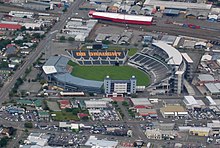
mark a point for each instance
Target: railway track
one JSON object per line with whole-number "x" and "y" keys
{"x": 172, "y": 30}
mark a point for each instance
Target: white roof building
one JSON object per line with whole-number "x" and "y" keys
{"x": 190, "y": 102}
{"x": 177, "y": 5}
{"x": 40, "y": 139}
{"x": 95, "y": 143}
{"x": 211, "y": 101}
{"x": 141, "y": 102}
{"x": 95, "y": 104}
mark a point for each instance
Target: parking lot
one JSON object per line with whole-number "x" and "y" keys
{"x": 67, "y": 140}
{"x": 101, "y": 115}
{"x": 28, "y": 116}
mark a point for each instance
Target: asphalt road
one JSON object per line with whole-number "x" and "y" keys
{"x": 4, "y": 92}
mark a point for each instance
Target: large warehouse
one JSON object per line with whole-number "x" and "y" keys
{"x": 122, "y": 18}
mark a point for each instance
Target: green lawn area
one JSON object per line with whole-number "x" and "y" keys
{"x": 132, "y": 51}
{"x": 115, "y": 72}
{"x": 63, "y": 115}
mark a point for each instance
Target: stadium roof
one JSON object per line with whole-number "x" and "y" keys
{"x": 171, "y": 52}
{"x": 187, "y": 58}
{"x": 123, "y": 16}
{"x": 68, "y": 78}
{"x": 55, "y": 64}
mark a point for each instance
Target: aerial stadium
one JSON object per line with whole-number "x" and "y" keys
{"x": 159, "y": 67}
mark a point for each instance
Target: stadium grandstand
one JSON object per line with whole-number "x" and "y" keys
{"x": 98, "y": 57}
{"x": 57, "y": 73}
{"x": 164, "y": 64}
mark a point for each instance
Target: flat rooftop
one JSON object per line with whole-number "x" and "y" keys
{"x": 173, "y": 108}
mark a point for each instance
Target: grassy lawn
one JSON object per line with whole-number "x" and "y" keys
{"x": 132, "y": 51}
{"x": 63, "y": 115}
{"x": 115, "y": 72}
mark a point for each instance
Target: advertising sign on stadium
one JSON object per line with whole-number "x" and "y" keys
{"x": 100, "y": 54}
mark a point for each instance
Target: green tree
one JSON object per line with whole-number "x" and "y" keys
{"x": 125, "y": 103}
{"x": 75, "y": 111}
{"x": 71, "y": 39}
{"x": 3, "y": 142}
{"x": 85, "y": 118}
{"x": 106, "y": 42}
{"x": 28, "y": 125}
{"x": 4, "y": 64}
{"x": 62, "y": 38}
{"x": 36, "y": 35}
{"x": 23, "y": 28}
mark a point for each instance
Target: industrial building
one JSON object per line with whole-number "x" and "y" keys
{"x": 213, "y": 88}
{"x": 94, "y": 142}
{"x": 144, "y": 112}
{"x": 141, "y": 103}
{"x": 211, "y": 102}
{"x": 96, "y": 104}
{"x": 4, "y": 26}
{"x": 160, "y": 134}
{"x": 171, "y": 111}
{"x": 122, "y": 18}
{"x": 200, "y": 131}
{"x": 120, "y": 86}
{"x": 77, "y": 28}
{"x": 159, "y": 4}
{"x": 191, "y": 103}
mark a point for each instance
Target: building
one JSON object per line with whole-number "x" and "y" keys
{"x": 44, "y": 115}
{"x": 161, "y": 5}
{"x": 144, "y": 112}
{"x": 120, "y": 86}
{"x": 21, "y": 14}
{"x": 96, "y": 104}
{"x": 205, "y": 78}
{"x": 122, "y": 18}
{"x": 38, "y": 139}
{"x": 213, "y": 88}
{"x": 171, "y": 12}
{"x": 64, "y": 104}
{"x": 11, "y": 49}
{"x": 189, "y": 66}
{"x": 200, "y": 131}
{"x": 71, "y": 126}
{"x": 215, "y": 126}
{"x": 94, "y": 142}
{"x": 159, "y": 134}
{"x": 171, "y": 111}
{"x": 4, "y": 26}
{"x": 211, "y": 102}
{"x": 141, "y": 103}
{"x": 191, "y": 103}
